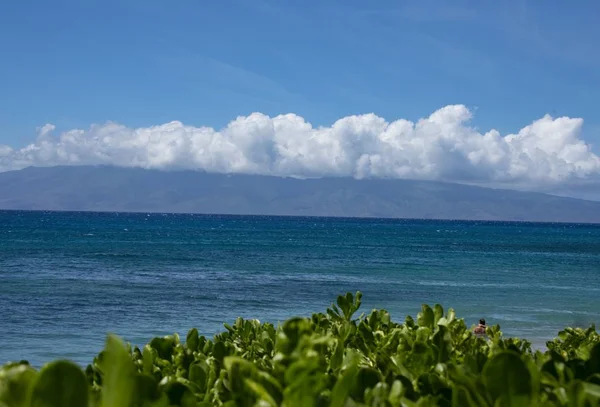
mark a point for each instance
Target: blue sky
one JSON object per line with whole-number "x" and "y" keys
{"x": 141, "y": 63}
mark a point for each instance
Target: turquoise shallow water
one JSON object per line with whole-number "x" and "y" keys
{"x": 66, "y": 279}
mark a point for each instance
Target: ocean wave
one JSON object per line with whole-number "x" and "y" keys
{"x": 524, "y": 286}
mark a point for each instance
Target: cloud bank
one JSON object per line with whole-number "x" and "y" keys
{"x": 443, "y": 146}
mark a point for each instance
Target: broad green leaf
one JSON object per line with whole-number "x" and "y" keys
{"x": 425, "y": 317}
{"x": 60, "y": 384}
{"x": 192, "y": 340}
{"x": 443, "y": 342}
{"x": 595, "y": 378}
{"x": 592, "y": 391}
{"x": 396, "y": 392}
{"x": 344, "y": 386}
{"x": 438, "y": 312}
{"x": 471, "y": 384}
{"x": 178, "y": 393}
{"x": 357, "y": 301}
{"x": 344, "y": 303}
{"x": 461, "y": 397}
{"x": 261, "y": 393}
{"x": 219, "y": 351}
{"x": 146, "y": 391}
{"x": 199, "y": 375}
{"x": 443, "y": 321}
{"x": 577, "y": 395}
{"x": 335, "y": 362}
{"x": 293, "y": 330}
{"x": 148, "y": 356}
{"x": 119, "y": 374}
{"x": 163, "y": 346}
{"x": 270, "y": 384}
{"x": 594, "y": 360}
{"x": 366, "y": 378}
{"x": 507, "y": 379}
{"x": 238, "y": 371}
{"x": 15, "y": 384}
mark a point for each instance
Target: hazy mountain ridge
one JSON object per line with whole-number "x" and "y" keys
{"x": 101, "y": 188}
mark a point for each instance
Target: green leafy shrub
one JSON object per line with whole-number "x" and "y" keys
{"x": 330, "y": 359}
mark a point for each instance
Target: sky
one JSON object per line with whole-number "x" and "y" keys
{"x": 491, "y": 93}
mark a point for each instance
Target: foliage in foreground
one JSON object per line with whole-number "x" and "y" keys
{"x": 330, "y": 359}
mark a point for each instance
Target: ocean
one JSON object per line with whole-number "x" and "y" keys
{"x": 69, "y": 278}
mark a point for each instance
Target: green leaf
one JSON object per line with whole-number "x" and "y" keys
{"x": 425, "y": 317}
{"x": 396, "y": 392}
{"x": 199, "y": 375}
{"x": 461, "y": 397}
{"x": 335, "y": 363}
{"x": 349, "y": 304}
{"x": 366, "y": 378}
{"x": 119, "y": 380}
{"x": 15, "y": 384}
{"x": 146, "y": 391}
{"x": 595, "y": 378}
{"x": 344, "y": 385}
{"x": 192, "y": 340}
{"x": 293, "y": 330}
{"x": 260, "y": 392}
{"x": 438, "y": 312}
{"x": 60, "y": 384}
{"x": 219, "y": 351}
{"x": 344, "y": 302}
{"x": 148, "y": 357}
{"x": 451, "y": 316}
{"x": 178, "y": 393}
{"x": 508, "y": 379}
{"x": 443, "y": 342}
{"x": 594, "y": 360}
{"x": 238, "y": 370}
{"x": 592, "y": 390}
{"x": 357, "y": 301}
{"x": 163, "y": 346}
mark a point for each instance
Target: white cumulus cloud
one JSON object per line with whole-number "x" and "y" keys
{"x": 548, "y": 152}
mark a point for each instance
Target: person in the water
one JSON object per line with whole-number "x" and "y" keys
{"x": 480, "y": 329}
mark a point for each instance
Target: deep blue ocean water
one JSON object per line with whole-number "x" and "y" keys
{"x": 67, "y": 279}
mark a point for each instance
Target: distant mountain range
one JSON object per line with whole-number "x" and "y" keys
{"x": 101, "y": 188}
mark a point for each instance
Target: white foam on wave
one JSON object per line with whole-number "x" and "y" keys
{"x": 445, "y": 283}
